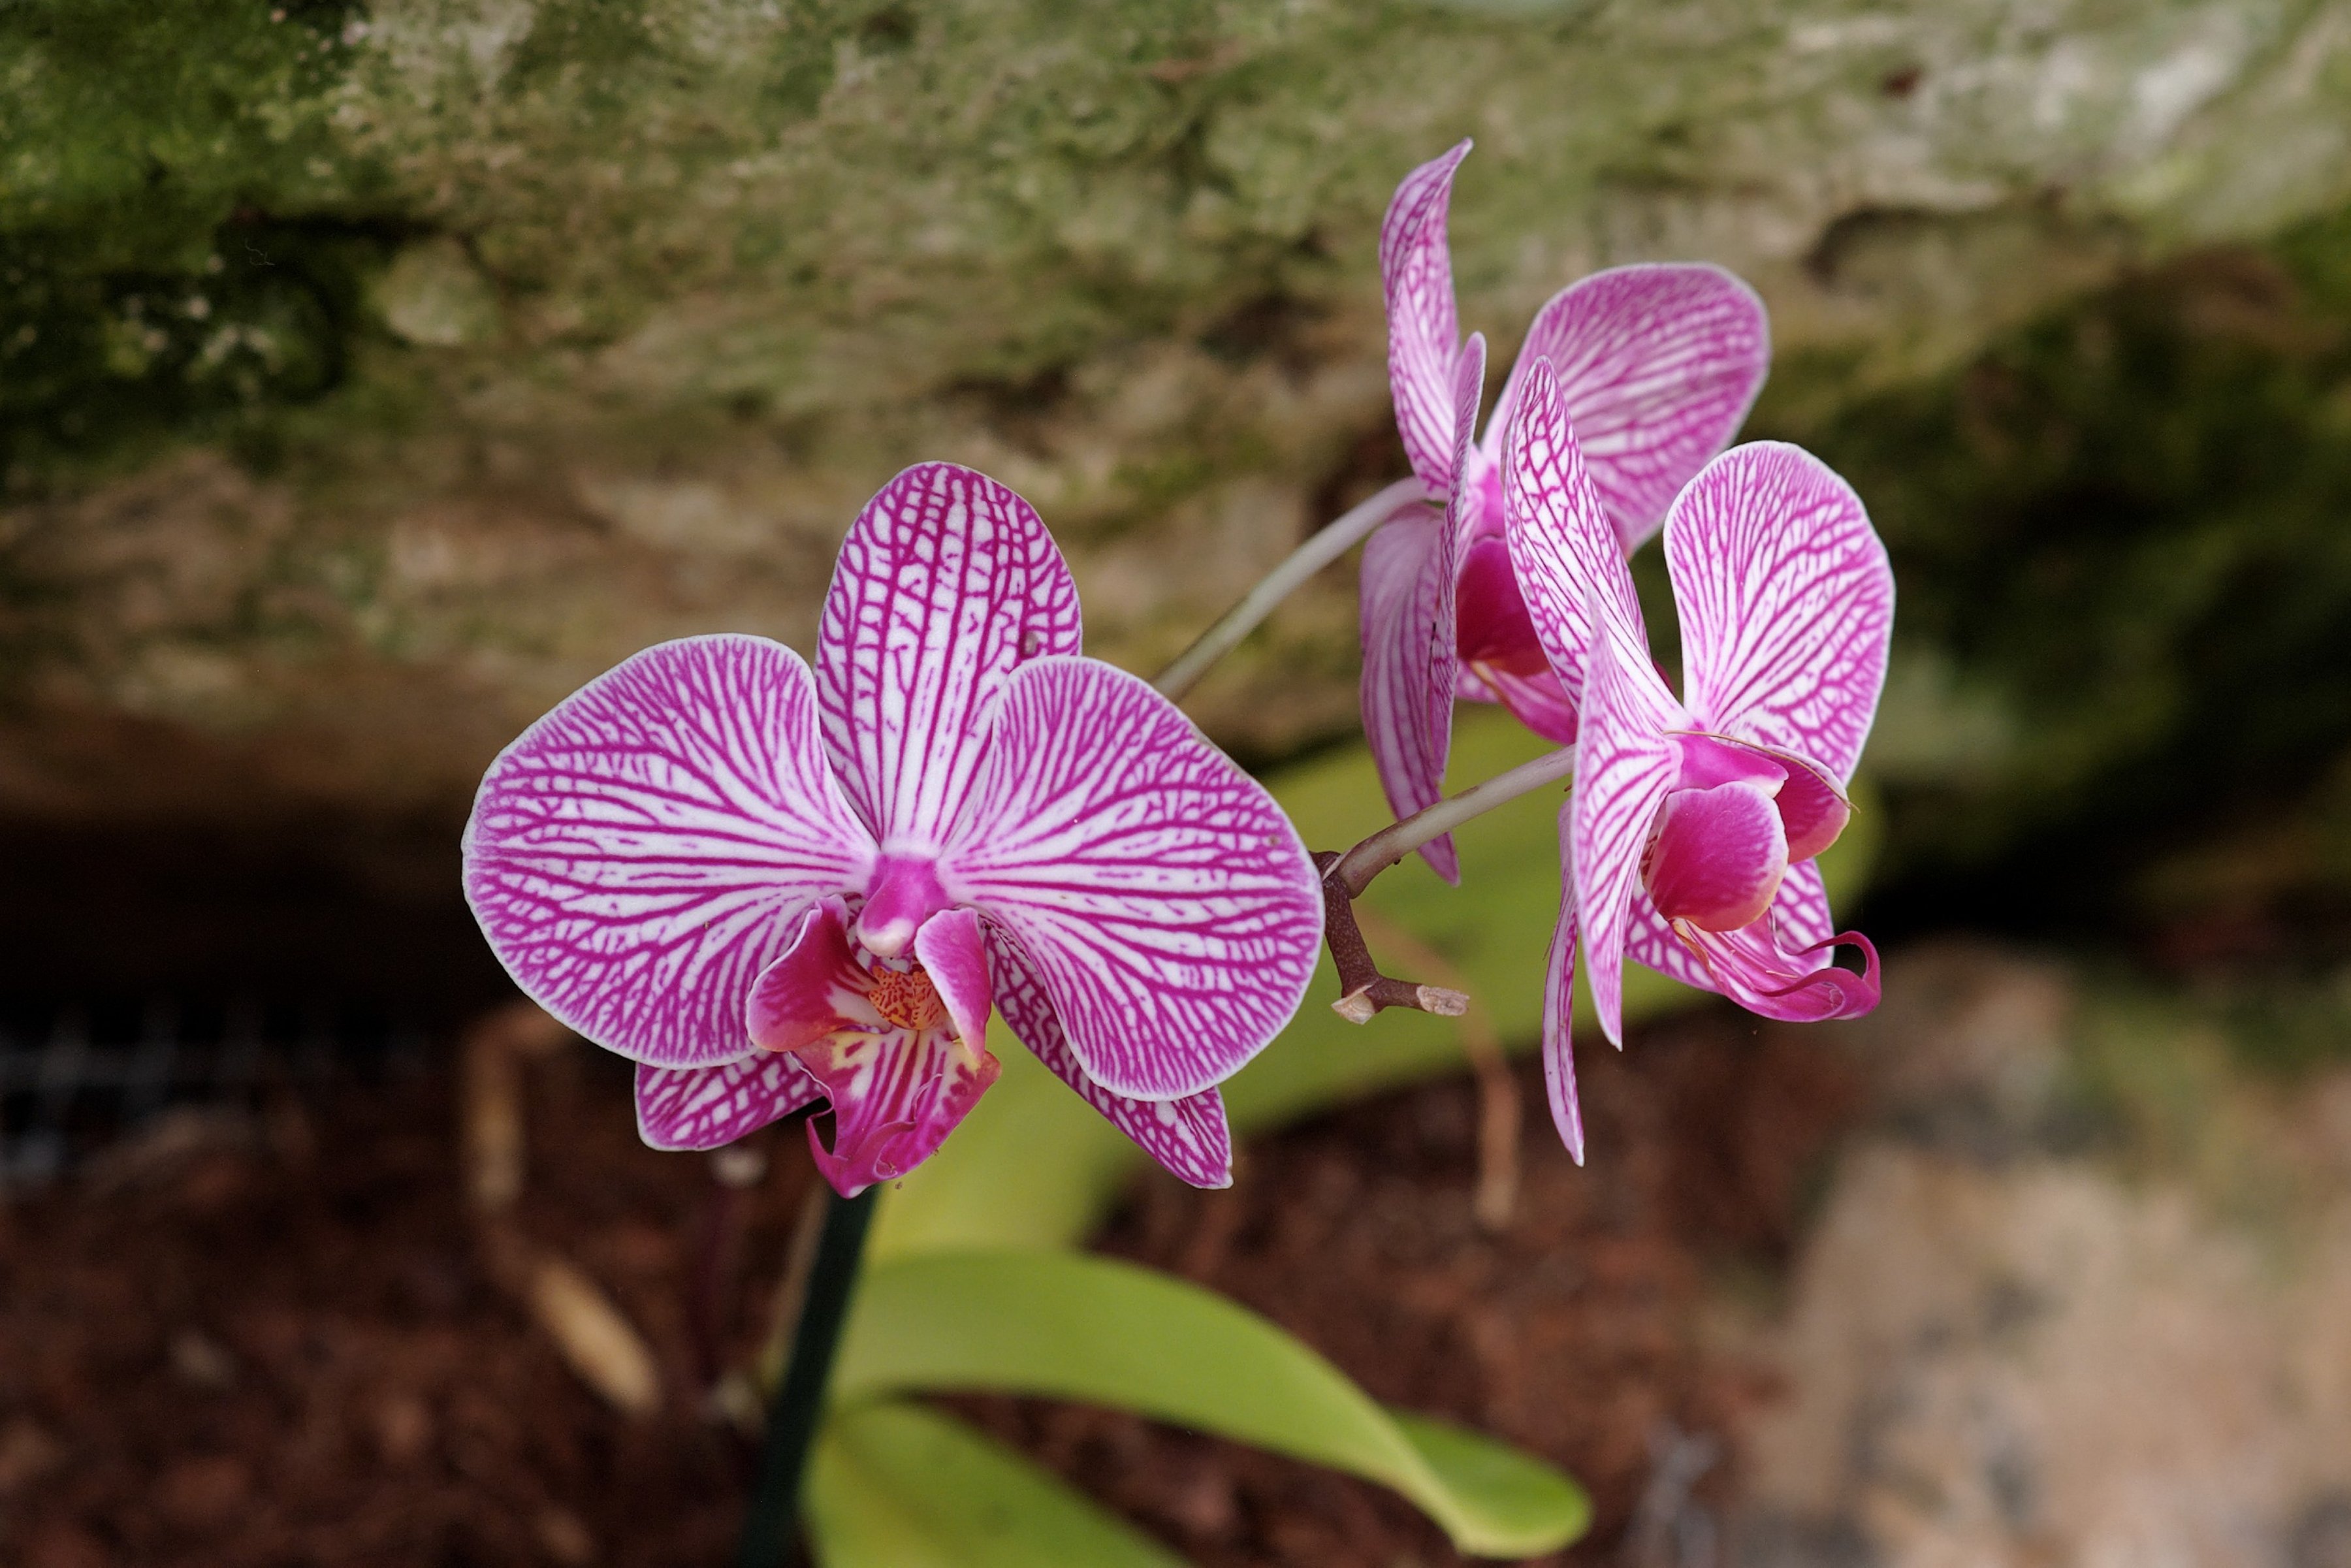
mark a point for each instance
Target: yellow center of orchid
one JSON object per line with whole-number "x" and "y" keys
{"x": 906, "y": 997}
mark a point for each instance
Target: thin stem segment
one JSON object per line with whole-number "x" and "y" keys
{"x": 1328, "y": 545}
{"x": 769, "y": 1528}
{"x": 1363, "y": 991}
{"x": 1356, "y": 868}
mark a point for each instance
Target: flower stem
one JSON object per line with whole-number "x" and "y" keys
{"x": 1333, "y": 540}
{"x": 1356, "y": 868}
{"x": 769, "y": 1528}
{"x": 1363, "y": 991}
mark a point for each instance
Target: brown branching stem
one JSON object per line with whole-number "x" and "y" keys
{"x": 1363, "y": 991}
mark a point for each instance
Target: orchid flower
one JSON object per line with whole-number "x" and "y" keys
{"x": 1689, "y": 841}
{"x": 769, "y": 886}
{"x": 1658, "y": 365}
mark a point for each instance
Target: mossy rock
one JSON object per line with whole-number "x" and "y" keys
{"x": 369, "y": 376}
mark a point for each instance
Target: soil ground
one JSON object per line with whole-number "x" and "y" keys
{"x": 278, "y": 1339}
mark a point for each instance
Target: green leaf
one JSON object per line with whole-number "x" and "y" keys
{"x": 893, "y": 1485}
{"x": 1033, "y": 1167}
{"x": 1065, "y": 1325}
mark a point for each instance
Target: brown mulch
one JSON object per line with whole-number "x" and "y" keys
{"x": 275, "y": 1340}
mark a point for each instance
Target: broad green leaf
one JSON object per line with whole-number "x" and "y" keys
{"x": 893, "y": 1485}
{"x": 1066, "y": 1325}
{"x": 1032, "y": 1166}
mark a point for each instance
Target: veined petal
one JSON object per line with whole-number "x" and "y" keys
{"x": 951, "y": 952}
{"x": 897, "y": 1094}
{"x": 1777, "y": 968}
{"x": 640, "y": 855}
{"x": 946, "y": 581}
{"x": 1411, "y": 659}
{"x": 1490, "y": 618}
{"x": 1624, "y": 767}
{"x": 1407, "y": 579}
{"x": 1786, "y": 601}
{"x": 1559, "y": 1003}
{"x": 1659, "y": 364}
{"x": 1650, "y": 942}
{"x": 707, "y": 1107}
{"x": 1188, "y": 1136}
{"x": 1538, "y": 700}
{"x": 1423, "y": 332}
{"x": 1561, "y": 544}
{"x": 1717, "y": 856}
{"x": 1800, "y": 914}
{"x": 1156, "y": 889}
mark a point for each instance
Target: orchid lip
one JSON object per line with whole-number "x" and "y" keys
{"x": 1717, "y": 854}
{"x": 890, "y": 1042}
{"x": 1814, "y": 807}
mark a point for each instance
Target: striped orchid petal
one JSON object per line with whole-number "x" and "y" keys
{"x": 1411, "y": 659}
{"x": 1624, "y": 767}
{"x": 1561, "y": 542}
{"x": 1188, "y": 1136}
{"x": 1650, "y": 942}
{"x": 947, "y": 581}
{"x": 1559, "y": 1003}
{"x": 1157, "y": 890}
{"x": 1406, "y": 573}
{"x": 709, "y": 1107}
{"x": 1502, "y": 658}
{"x": 640, "y": 855}
{"x": 1424, "y": 331}
{"x": 1786, "y": 602}
{"x": 1659, "y": 364}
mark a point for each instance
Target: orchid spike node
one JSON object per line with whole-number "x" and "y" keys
{"x": 770, "y": 886}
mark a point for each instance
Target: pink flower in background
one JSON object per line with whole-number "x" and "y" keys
{"x": 1688, "y": 842}
{"x": 1658, "y": 365}
{"x": 768, "y": 886}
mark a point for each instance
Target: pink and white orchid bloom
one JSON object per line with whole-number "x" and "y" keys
{"x": 769, "y": 887}
{"x": 1658, "y": 365}
{"x": 1689, "y": 838}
